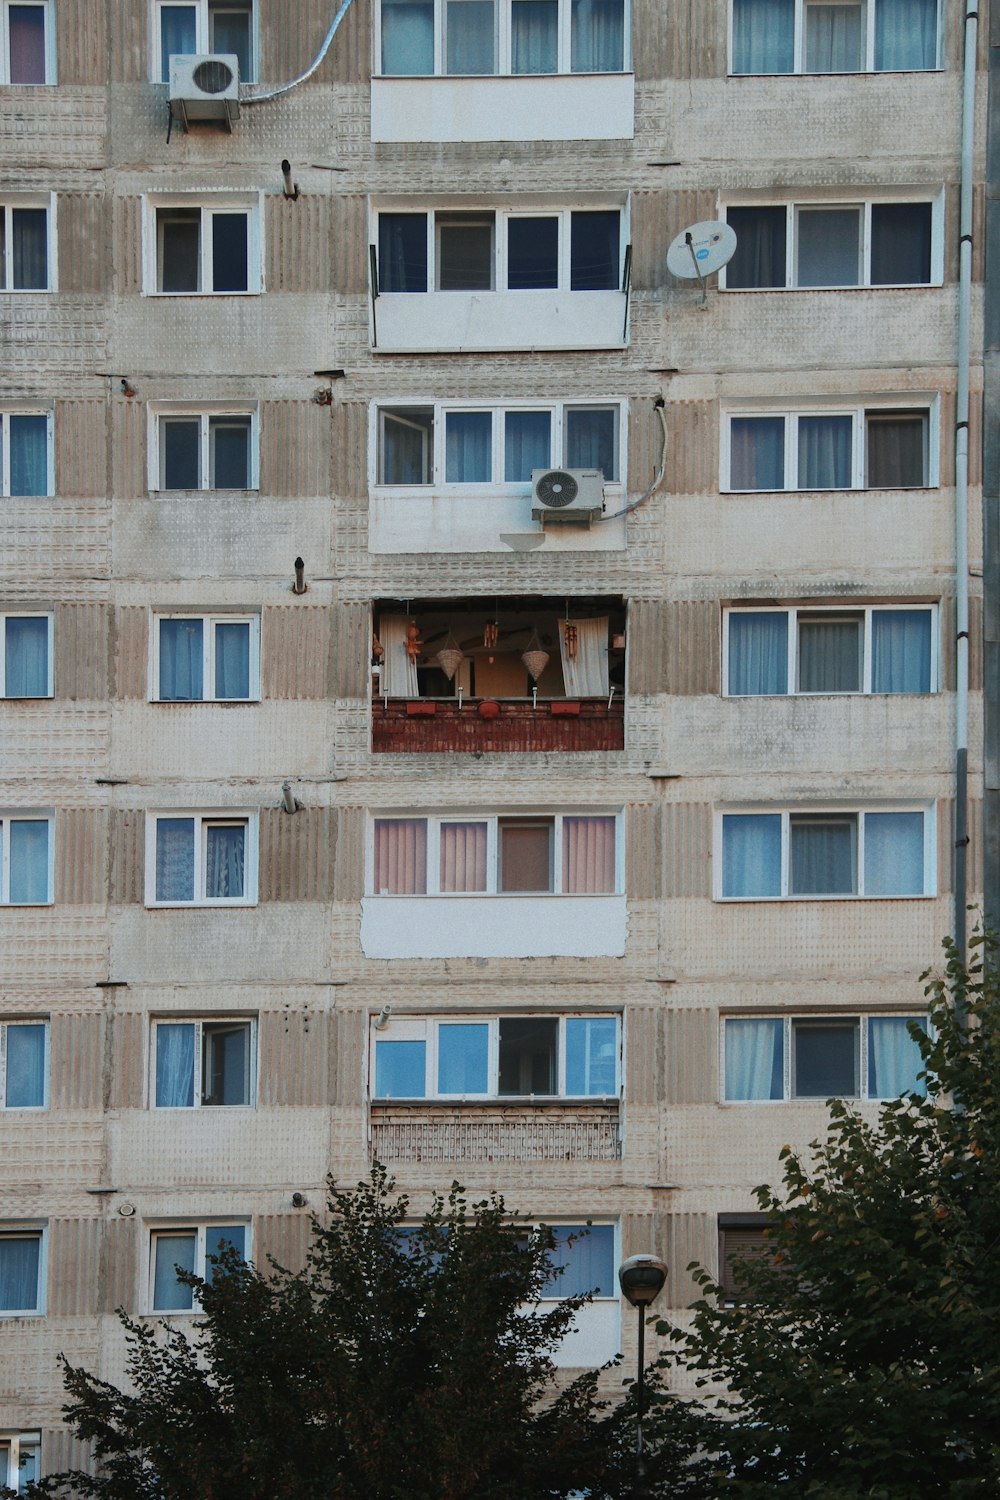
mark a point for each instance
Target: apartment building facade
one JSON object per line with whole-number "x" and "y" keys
{"x": 361, "y": 798}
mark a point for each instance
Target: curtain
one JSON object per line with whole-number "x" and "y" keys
{"x": 19, "y": 1265}
{"x": 175, "y": 859}
{"x": 901, "y": 244}
{"x": 763, "y": 36}
{"x": 174, "y": 1065}
{"x": 896, "y": 456}
{"x": 219, "y": 1237}
{"x": 751, "y": 854}
{"x": 401, "y": 857}
{"x": 180, "y": 459}
{"x": 402, "y": 253}
{"x": 229, "y": 440}
{"x": 758, "y": 654}
{"x": 178, "y": 33}
{"x": 399, "y": 671}
{"x": 759, "y": 259}
{"x": 471, "y": 36}
{"x": 833, "y": 39}
{"x": 587, "y": 1264}
{"x": 755, "y": 1059}
{"x": 231, "y": 33}
{"x": 534, "y": 36}
{"x": 27, "y": 44}
{"x": 400, "y": 1069}
{"x": 29, "y": 861}
{"x": 901, "y": 651}
{"x": 592, "y": 439}
{"x": 406, "y": 447}
{"x": 830, "y": 655}
{"x": 585, "y": 675}
{"x": 829, "y": 247}
{"x": 225, "y": 871}
{"x": 894, "y": 854}
{"x": 757, "y": 453}
{"x": 527, "y": 444}
{"x": 588, "y": 856}
{"x": 894, "y": 1058}
{"x": 595, "y": 241}
{"x": 597, "y": 36}
{"x": 824, "y": 855}
{"x": 232, "y": 661}
{"x": 463, "y": 857}
{"x": 26, "y": 656}
{"x": 463, "y": 1059}
{"x": 171, "y": 1250}
{"x": 906, "y": 34}
{"x": 591, "y": 1055}
{"x": 825, "y": 446}
{"x": 29, "y": 455}
{"x": 408, "y": 37}
{"x": 25, "y": 1067}
{"x": 226, "y": 1064}
{"x": 468, "y": 447}
{"x": 181, "y": 661}
{"x": 31, "y": 249}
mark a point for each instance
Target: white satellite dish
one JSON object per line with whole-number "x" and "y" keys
{"x": 702, "y": 249}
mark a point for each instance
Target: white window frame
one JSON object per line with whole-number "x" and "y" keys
{"x": 46, "y": 7}
{"x": 203, "y": 820}
{"x": 864, "y": 202}
{"x": 209, "y": 622}
{"x": 27, "y": 614}
{"x": 847, "y": 607}
{"x": 5, "y": 457}
{"x": 208, "y": 203}
{"x": 20, "y": 815}
{"x": 861, "y": 1018}
{"x": 557, "y": 411}
{"x": 198, "y": 1071}
{"x": 799, "y": 45}
{"x": 34, "y": 1231}
{"x": 502, "y": 43}
{"x": 492, "y": 821}
{"x": 5, "y": 1027}
{"x": 910, "y": 404}
{"x": 8, "y": 203}
{"x": 591, "y": 1221}
{"x": 425, "y": 1029}
{"x": 199, "y": 1228}
{"x": 203, "y": 34}
{"x": 202, "y": 412}
{"x": 835, "y": 809}
{"x": 11, "y": 1444}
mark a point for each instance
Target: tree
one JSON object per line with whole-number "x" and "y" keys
{"x": 398, "y": 1365}
{"x": 863, "y": 1358}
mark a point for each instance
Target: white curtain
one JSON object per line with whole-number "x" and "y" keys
{"x": 585, "y": 675}
{"x": 181, "y": 660}
{"x": 468, "y": 447}
{"x": 758, "y": 653}
{"x": 825, "y": 445}
{"x": 175, "y": 1065}
{"x": 172, "y": 1250}
{"x": 597, "y": 40}
{"x": 763, "y": 36}
{"x": 225, "y": 860}
{"x": 894, "y": 1058}
{"x": 833, "y": 39}
{"x": 534, "y": 36}
{"x": 175, "y": 859}
{"x": 829, "y": 247}
{"x": 588, "y": 856}
{"x": 399, "y": 671}
{"x": 471, "y": 36}
{"x": 755, "y": 1059}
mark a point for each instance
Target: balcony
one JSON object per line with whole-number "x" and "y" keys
{"x": 515, "y": 1132}
{"x": 420, "y": 725}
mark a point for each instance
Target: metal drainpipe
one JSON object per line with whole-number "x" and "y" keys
{"x": 286, "y": 88}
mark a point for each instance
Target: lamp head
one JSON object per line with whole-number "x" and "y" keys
{"x": 642, "y": 1278}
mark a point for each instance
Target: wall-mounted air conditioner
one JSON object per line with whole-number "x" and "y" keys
{"x": 571, "y": 495}
{"x": 205, "y": 87}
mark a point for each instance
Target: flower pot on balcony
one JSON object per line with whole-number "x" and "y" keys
{"x": 489, "y": 709}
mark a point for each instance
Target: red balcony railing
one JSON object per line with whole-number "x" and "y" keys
{"x": 425, "y": 725}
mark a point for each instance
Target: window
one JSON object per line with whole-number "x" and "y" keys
{"x": 22, "y": 1272}
{"x": 201, "y": 859}
{"x": 885, "y": 243}
{"x": 203, "y": 1063}
{"x": 568, "y": 854}
{"x": 24, "y": 1064}
{"x": 25, "y": 252}
{"x": 204, "y": 26}
{"x": 478, "y": 37}
{"x": 206, "y": 658}
{"x": 20, "y": 1459}
{"x": 206, "y": 450}
{"x": 190, "y": 1248}
{"x": 25, "y": 859}
{"x": 506, "y": 250}
{"x": 859, "y": 448}
{"x": 831, "y": 36}
{"x": 451, "y": 444}
{"x": 25, "y": 656}
{"x": 25, "y": 453}
{"x": 741, "y": 1238}
{"x": 503, "y": 1057}
{"x": 766, "y": 855}
{"x": 583, "y": 1260}
{"x": 27, "y": 50}
{"x": 805, "y": 1057}
{"x": 204, "y": 247}
{"x": 829, "y": 650}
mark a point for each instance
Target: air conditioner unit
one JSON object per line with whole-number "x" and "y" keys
{"x": 205, "y": 88}
{"x": 569, "y": 495}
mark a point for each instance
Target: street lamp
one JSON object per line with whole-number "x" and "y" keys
{"x": 641, "y": 1278}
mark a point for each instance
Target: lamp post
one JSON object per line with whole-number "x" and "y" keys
{"x": 641, "y": 1278}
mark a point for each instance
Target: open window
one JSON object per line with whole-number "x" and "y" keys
{"x": 20, "y": 1459}
{"x": 204, "y": 1063}
{"x": 189, "y": 1247}
{"x": 189, "y": 27}
{"x": 201, "y": 859}
{"x": 26, "y": 260}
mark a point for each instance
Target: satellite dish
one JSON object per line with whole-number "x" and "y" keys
{"x": 701, "y": 249}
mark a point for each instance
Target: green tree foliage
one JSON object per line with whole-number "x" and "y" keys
{"x": 393, "y": 1367}
{"x": 863, "y": 1358}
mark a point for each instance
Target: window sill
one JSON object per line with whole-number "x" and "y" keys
{"x": 207, "y": 296}
{"x": 205, "y": 702}
{"x": 832, "y": 896}
{"x": 516, "y": 1102}
{"x": 894, "y": 286}
{"x": 200, "y": 494}
{"x": 199, "y": 905}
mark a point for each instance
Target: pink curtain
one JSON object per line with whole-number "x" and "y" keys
{"x": 401, "y": 857}
{"x": 27, "y": 44}
{"x": 588, "y": 856}
{"x": 463, "y": 857}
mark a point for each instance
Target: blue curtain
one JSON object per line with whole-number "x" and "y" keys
{"x": 19, "y": 1265}
{"x": 751, "y": 854}
{"x": 217, "y": 1238}
{"x": 31, "y": 249}
{"x": 231, "y": 33}
{"x": 758, "y": 653}
{"x": 591, "y": 1055}
{"x": 591, "y": 439}
{"x": 175, "y": 859}
{"x": 29, "y": 861}
{"x": 830, "y": 655}
{"x": 597, "y": 36}
{"x": 757, "y": 453}
{"x": 825, "y": 445}
{"x": 471, "y": 36}
{"x": 232, "y": 661}
{"x": 26, "y": 656}
{"x": 181, "y": 660}
{"x": 175, "y": 1065}
{"x": 901, "y": 651}
{"x": 29, "y": 455}
{"x": 463, "y": 1059}
{"x": 468, "y": 447}
{"x": 755, "y": 1059}
{"x": 829, "y": 247}
{"x": 824, "y": 854}
{"x": 25, "y": 1067}
{"x": 408, "y": 37}
{"x": 894, "y": 854}
{"x": 588, "y": 1264}
{"x": 905, "y": 34}
{"x": 527, "y": 444}
{"x": 833, "y": 39}
{"x": 763, "y": 36}
{"x": 894, "y": 1058}
{"x": 534, "y": 36}
{"x": 226, "y": 854}
{"x": 171, "y": 1250}
{"x": 400, "y": 1069}
{"x": 178, "y": 34}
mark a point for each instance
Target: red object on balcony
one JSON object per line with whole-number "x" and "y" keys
{"x": 567, "y": 710}
{"x": 421, "y": 709}
{"x": 404, "y": 726}
{"x": 489, "y": 709}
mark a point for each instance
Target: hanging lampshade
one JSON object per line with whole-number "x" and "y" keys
{"x": 450, "y": 657}
{"x": 535, "y": 658}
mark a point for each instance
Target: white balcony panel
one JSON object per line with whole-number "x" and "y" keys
{"x": 415, "y": 322}
{"x": 493, "y": 926}
{"x": 432, "y": 522}
{"x": 547, "y": 107}
{"x": 594, "y": 1337}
